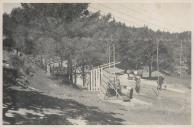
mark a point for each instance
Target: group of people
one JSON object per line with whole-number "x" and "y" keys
{"x": 137, "y": 78}
{"x": 117, "y": 88}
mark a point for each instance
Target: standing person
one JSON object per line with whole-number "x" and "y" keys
{"x": 160, "y": 82}
{"x": 138, "y": 84}
{"x": 128, "y": 72}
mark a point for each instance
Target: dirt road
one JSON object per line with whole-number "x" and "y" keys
{"x": 62, "y": 104}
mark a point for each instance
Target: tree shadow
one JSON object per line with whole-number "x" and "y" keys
{"x": 40, "y": 109}
{"x": 62, "y": 81}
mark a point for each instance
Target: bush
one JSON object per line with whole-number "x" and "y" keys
{"x": 16, "y": 62}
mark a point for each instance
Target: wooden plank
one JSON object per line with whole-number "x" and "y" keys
{"x": 90, "y": 80}
{"x": 106, "y": 65}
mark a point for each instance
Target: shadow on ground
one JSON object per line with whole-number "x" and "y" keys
{"x": 61, "y": 111}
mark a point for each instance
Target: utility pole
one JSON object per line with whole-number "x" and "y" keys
{"x": 152, "y": 62}
{"x": 181, "y": 48}
{"x": 157, "y": 42}
{"x": 107, "y": 52}
{"x": 110, "y": 50}
{"x": 114, "y": 54}
{"x": 109, "y": 56}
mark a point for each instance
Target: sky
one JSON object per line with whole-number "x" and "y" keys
{"x": 173, "y": 17}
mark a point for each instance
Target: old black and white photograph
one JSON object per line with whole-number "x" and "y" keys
{"x": 96, "y": 63}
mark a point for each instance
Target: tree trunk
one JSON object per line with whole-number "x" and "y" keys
{"x": 67, "y": 76}
{"x": 75, "y": 76}
{"x": 70, "y": 74}
{"x": 61, "y": 62}
{"x": 83, "y": 74}
{"x": 150, "y": 70}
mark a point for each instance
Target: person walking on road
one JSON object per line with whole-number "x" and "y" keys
{"x": 138, "y": 84}
{"x": 160, "y": 82}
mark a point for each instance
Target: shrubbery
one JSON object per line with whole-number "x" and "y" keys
{"x": 16, "y": 75}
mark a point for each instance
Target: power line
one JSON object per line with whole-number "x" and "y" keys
{"x": 134, "y": 17}
{"x": 181, "y": 48}
{"x": 157, "y": 26}
{"x": 153, "y": 24}
{"x": 166, "y": 40}
{"x": 115, "y": 16}
{"x": 106, "y": 7}
{"x": 138, "y": 11}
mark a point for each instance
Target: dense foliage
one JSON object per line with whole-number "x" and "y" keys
{"x": 73, "y": 33}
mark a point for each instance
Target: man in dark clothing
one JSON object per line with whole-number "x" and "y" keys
{"x": 138, "y": 82}
{"x": 160, "y": 81}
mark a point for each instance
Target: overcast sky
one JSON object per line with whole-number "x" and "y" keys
{"x": 174, "y": 17}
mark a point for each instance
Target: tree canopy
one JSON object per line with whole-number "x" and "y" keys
{"x": 71, "y": 32}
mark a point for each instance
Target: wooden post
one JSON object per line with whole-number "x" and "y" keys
{"x": 99, "y": 79}
{"x": 114, "y": 63}
{"x": 91, "y": 80}
{"x": 114, "y": 54}
{"x": 101, "y": 75}
{"x": 181, "y": 47}
{"x": 157, "y": 57}
{"x": 108, "y": 55}
{"x": 96, "y": 80}
{"x": 107, "y": 52}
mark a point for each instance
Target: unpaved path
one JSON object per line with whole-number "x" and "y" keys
{"x": 60, "y": 104}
